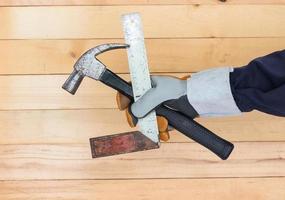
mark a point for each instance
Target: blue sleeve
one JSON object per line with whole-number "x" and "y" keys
{"x": 260, "y": 85}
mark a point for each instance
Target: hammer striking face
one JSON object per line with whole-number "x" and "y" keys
{"x": 89, "y": 65}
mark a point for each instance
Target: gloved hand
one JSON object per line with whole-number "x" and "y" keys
{"x": 206, "y": 94}
{"x": 169, "y": 89}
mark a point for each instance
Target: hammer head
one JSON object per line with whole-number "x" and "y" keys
{"x": 89, "y": 65}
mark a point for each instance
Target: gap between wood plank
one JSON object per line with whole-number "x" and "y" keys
{"x": 193, "y": 23}
{"x": 120, "y": 3}
{"x": 139, "y": 179}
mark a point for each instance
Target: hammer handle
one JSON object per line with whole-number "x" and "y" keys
{"x": 179, "y": 121}
{"x": 197, "y": 132}
{"x": 114, "y": 81}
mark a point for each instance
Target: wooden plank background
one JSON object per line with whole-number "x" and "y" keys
{"x": 44, "y": 150}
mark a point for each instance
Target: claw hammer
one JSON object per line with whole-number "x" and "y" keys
{"x": 88, "y": 65}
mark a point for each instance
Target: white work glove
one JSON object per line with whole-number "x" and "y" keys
{"x": 157, "y": 96}
{"x": 208, "y": 92}
{"x": 163, "y": 88}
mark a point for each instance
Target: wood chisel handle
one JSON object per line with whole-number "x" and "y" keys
{"x": 180, "y": 122}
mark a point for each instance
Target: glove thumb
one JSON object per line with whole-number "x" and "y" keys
{"x": 146, "y": 103}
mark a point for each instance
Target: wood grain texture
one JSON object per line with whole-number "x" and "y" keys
{"x": 166, "y": 189}
{"x": 77, "y": 126}
{"x": 130, "y": 2}
{"x": 164, "y": 55}
{"x": 44, "y": 131}
{"x": 104, "y": 21}
{"x": 175, "y": 160}
{"x": 45, "y": 92}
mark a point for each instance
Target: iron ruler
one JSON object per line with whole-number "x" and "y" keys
{"x": 139, "y": 71}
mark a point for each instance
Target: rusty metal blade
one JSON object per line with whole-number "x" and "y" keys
{"x": 120, "y": 144}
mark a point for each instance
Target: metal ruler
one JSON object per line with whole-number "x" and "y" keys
{"x": 139, "y": 71}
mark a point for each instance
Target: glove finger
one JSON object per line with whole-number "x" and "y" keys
{"x": 164, "y": 136}
{"x": 185, "y": 77}
{"x": 122, "y": 101}
{"x": 164, "y": 88}
{"x": 162, "y": 123}
{"x": 132, "y": 121}
{"x": 146, "y": 103}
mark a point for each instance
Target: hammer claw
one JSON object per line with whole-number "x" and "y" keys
{"x": 107, "y": 47}
{"x": 89, "y": 65}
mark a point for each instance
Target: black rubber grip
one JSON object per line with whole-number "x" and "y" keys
{"x": 197, "y": 132}
{"x": 180, "y": 122}
{"x": 114, "y": 81}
